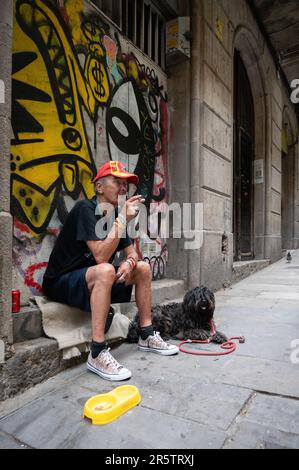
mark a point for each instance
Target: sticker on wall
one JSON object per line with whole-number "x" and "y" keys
{"x": 219, "y": 29}
{"x": 2, "y": 92}
{"x": 259, "y": 171}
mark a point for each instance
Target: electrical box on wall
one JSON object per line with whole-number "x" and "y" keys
{"x": 177, "y": 40}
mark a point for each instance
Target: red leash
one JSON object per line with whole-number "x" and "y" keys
{"x": 229, "y": 345}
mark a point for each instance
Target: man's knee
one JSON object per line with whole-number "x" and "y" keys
{"x": 144, "y": 270}
{"x": 104, "y": 273}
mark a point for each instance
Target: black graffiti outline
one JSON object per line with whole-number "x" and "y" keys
{"x": 145, "y": 167}
{"x": 17, "y": 208}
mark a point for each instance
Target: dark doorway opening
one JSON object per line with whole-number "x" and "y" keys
{"x": 287, "y": 191}
{"x": 243, "y": 163}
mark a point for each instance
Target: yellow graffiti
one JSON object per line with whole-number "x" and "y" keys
{"x": 50, "y": 150}
{"x": 219, "y": 29}
{"x": 95, "y": 71}
{"x": 130, "y": 68}
{"x": 74, "y": 9}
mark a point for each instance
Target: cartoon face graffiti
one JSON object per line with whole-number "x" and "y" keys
{"x": 130, "y": 135}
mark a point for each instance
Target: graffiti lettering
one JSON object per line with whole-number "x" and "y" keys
{"x": 295, "y": 93}
{"x": 31, "y": 273}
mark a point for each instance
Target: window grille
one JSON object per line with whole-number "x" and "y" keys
{"x": 141, "y": 22}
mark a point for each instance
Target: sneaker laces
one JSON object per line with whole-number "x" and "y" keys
{"x": 158, "y": 340}
{"x": 109, "y": 359}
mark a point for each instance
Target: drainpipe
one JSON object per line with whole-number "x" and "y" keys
{"x": 6, "y": 22}
{"x": 195, "y": 148}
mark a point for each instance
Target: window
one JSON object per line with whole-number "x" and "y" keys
{"x": 147, "y": 30}
{"x": 110, "y": 8}
{"x": 131, "y": 23}
{"x": 139, "y": 25}
{"x": 141, "y": 22}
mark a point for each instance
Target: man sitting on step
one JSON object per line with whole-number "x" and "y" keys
{"x": 80, "y": 272}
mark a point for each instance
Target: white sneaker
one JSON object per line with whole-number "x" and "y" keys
{"x": 157, "y": 345}
{"x": 107, "y": 367}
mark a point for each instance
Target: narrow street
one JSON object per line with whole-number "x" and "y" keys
{"x": 248, "y": 399}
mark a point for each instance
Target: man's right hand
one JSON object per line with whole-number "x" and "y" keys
{"x": 131, "y": 208}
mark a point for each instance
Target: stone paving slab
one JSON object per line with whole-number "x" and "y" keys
{"x": 261, "y": 288}
{"x": 284, "y": 283}
{"x": 9, "y": 442}
{"x": 55, "y": 383}
{"x": 241, "y": 298}
{"x": 275, "y": 412}
{"x": 56, "y": 421}
{"x": 207, "y": 403}
{"x": 267, "y": 341}
{"x": 271, "y": 347}
{"x": 269, "y": 422}
{"x": 280, "y": 295}
{"x": 257, "y": 436}
{"x": 278, "y": 313}
{"x": 262, "y": 375}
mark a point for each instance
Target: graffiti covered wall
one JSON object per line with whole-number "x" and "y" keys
{"x": 81, "y": 95}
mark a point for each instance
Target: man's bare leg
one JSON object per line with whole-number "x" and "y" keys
{"x": 142, "y": 279}
{"x": 99, "y": 280}
{"x": 100, "y": 361}
{"x": 149, "y": 341}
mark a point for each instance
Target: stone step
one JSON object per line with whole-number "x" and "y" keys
{"x": 165, "y": 290}
{"x": 27, "y": 324}
{"x": 244, "y": 269}
{"x": 33, "y": 362}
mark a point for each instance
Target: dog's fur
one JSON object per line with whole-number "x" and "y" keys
{"x": 189, "y": 320}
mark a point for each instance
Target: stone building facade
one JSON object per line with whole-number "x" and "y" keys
{"x": 214, "y": 127}
{"x": 206, "y": 122}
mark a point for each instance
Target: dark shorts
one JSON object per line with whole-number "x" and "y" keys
{"x": 71, "y": 289}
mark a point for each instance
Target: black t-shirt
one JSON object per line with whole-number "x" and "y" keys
{"x": 71, "y": 251}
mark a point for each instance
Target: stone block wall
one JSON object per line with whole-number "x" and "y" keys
{"x": 5, "y": 216}
{"x": 229, "y": 25}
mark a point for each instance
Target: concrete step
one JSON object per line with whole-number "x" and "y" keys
{"x": 33, "y": 362}
{"x": 165, "y": 290}
{"x": 244, "y": 269}
{"x": 27, "y": 324}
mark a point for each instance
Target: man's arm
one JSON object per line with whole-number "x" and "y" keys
{"x": 126, "y": 268}
{"x": 130, "y": 252}
{"x": 102, "y": 250}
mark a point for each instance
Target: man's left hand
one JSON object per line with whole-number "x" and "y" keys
{"x": 123, "y": 274}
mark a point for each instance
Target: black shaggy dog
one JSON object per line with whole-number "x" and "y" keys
{"x": 190, "y": 320}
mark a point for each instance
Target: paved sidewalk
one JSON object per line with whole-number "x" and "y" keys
{"x": 249, "y": 399}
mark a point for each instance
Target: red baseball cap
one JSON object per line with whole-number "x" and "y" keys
{"x": 118, "y": 170}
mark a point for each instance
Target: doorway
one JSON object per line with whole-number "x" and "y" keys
{"x": 243, "y": 212}
{"x": 287, "y": 190}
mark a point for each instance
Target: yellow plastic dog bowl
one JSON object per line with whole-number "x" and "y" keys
{"x": 105, "y": 408}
